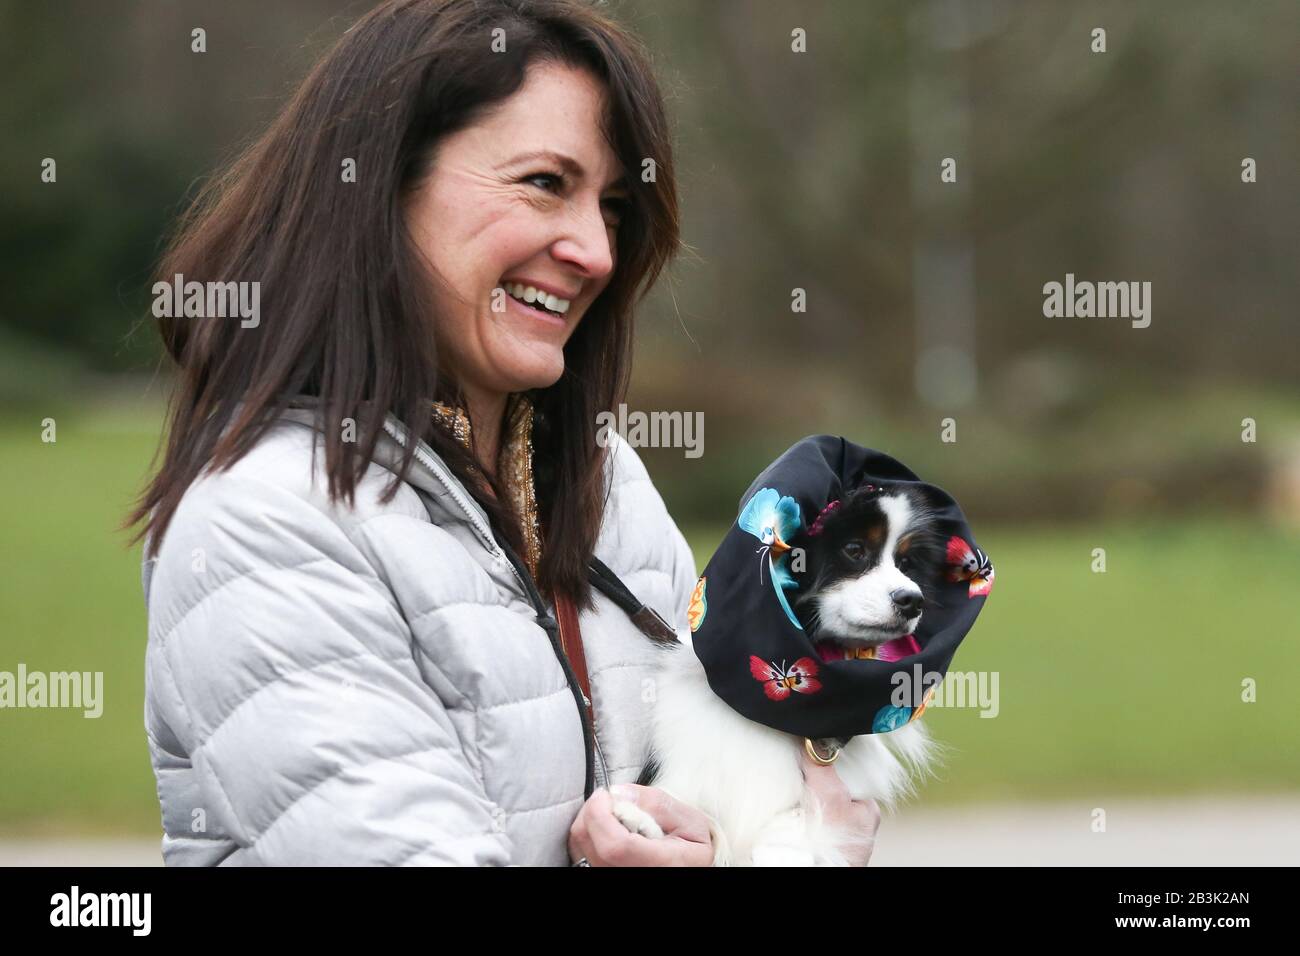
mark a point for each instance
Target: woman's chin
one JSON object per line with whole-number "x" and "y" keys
{"x": 533, "y": 371}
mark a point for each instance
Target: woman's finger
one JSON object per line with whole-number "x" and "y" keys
{"x": 874, "y": 814}
{"x": 825, "y": 781}
{"x": 579, "y": 837}
{"x": 610, "y": 839}
{"x": 582, "y": 839}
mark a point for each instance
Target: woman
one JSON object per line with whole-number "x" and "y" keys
{"x": 375, "y": 501}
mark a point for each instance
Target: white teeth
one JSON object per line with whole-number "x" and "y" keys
{"x": 530, "y": 295}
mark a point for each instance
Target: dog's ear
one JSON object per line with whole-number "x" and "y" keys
{"x": 866, "y": 489}
{"x": 928, "y": 496}
{"x": 862, "y": 493}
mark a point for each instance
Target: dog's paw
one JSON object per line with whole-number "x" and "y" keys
{"x": 637, "y": 820}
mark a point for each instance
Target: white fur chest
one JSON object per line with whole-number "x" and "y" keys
{"x": 748, "y": 778}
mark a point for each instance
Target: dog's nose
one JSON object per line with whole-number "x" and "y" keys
{"x": 908, "y": 602}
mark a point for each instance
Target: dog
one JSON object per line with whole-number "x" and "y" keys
{"x": 872, "y": 565}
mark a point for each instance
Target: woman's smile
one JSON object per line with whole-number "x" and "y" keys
{"x": 535, "y": 313}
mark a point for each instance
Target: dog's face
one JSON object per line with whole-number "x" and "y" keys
{"x": 871, "y": 568}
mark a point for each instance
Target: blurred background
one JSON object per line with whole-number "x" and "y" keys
{"x": 818, "y": 171}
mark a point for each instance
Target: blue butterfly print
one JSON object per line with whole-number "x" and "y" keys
{"x": 774, "y": 519}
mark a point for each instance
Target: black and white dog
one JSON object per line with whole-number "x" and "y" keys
{"x": 872, "y": 564}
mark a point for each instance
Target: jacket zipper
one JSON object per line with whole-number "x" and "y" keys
{"x": 544, "y": 618}
{"x": 450, "y": 485}
{"x": 552, "y": 627}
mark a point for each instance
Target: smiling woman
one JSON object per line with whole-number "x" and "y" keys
{"x": 354, "y": 656}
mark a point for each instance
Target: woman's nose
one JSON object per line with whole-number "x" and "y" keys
{"x": 587, "y": 243}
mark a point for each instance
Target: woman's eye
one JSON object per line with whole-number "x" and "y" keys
{"x": 554, "y": 178}
{"x": 854, "y": 550}
{"x": 615, "y": 209}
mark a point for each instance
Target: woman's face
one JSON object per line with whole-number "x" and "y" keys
{"x": 496, "y": 210}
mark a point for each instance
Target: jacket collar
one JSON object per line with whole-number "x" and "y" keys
{"x": 428, "y": 472}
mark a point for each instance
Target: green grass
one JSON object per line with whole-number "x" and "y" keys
{"x": 72, "y": 601}
{"x": 1127, "y": 681}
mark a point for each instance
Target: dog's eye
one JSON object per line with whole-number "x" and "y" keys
{"x": 905, "y": 564}
{"x": 854, "y": 550}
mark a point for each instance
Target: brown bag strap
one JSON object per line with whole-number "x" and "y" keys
{"x": 566, "y": 616}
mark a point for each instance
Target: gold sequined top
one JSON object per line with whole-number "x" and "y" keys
{"x": 514, "y": 465}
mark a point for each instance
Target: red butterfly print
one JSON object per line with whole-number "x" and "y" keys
{"x": 779, "y": 682}
{"x": 969, "y": 564}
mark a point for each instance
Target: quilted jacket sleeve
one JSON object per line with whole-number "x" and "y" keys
{"x": 280, "y": 665}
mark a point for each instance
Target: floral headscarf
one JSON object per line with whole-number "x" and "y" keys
{"x": 757, "y": 654}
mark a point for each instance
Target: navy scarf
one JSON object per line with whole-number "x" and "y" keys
{"x": 756, "y": 652}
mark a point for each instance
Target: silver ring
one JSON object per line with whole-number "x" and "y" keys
{"x": 582, "y": 862}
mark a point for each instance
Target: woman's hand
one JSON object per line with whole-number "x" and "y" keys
{"x": 602, "y": 838}
{"x": 838, "y": 808}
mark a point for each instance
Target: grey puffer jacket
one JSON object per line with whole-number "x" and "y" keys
{"x": 371, "y": 684}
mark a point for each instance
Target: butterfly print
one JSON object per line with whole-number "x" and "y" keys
{"x": 779, "y": 683}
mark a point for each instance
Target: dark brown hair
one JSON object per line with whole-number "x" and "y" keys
{"x": 344, "y": 295}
